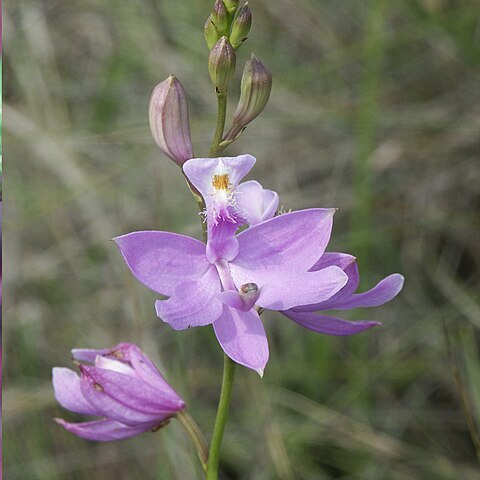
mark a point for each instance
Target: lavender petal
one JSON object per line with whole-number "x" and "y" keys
{"x": 243, "y": 338}
{"x": 286, "y": 244}
{"x": 150, "y": 374}
{"x": 254, "y": 203}
{"x": 194, "y": 302}
{"x": 329, "y": 325}
{"x": 163, "y": 260}
{"x": 104, "y": 430}
{"x": 66, "y": 384}
{"x": 123, "y": 398}
{"x": 348, "y": 264}
{"x": 201, "y": 171}
{"x": 383, "y": 292}
{"x": 284, "y": 292}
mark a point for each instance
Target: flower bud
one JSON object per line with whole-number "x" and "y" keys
{"x": 221, "y": 64}
{"x": 254, "y": 93}
{"x": 219, "y": 16}
{"x": 168, "y": 113}
{"x": 241, "y": 26}
{"x": 231, "y": 6}
{"x": 210, "y": 32}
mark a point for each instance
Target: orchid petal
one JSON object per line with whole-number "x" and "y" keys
{"x": 193, "y": 304}
{"x": 149, "y": 373}
{"x": 66, "y": 384}
{"x": 88, "y": 354}
{"x": 163, "y": 260}
{"x": 114, "y": 366}
{"x": 383, "y": 292}
{"x": 254, "y": 203}
{"x": 348, "y": 264}
{"x": 123, "y": 398}
{"x": 242, "y": 337}
{"x": 222, "y": 244}
{"x": 283, "y": 245}
{"x": 328, "y": 325}
{"x": 104, "y": 430}
{"x": 282, "y": 293}
{"x": 132, "y": 355}
{"x": 201, "y": 171}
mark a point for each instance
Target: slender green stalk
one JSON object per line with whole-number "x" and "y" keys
{"x": 220, "y": 421}
{"x": 216, "y": 148}
{"x": 228, "y": 364}
{"x": 196, "y": 435}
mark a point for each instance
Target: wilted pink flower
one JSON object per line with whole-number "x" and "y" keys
{"x": 169, "y": 123}
{"x": 123, "y": 386}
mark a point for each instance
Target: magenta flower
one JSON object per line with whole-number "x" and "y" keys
{"x": 267, "y": 265}
{"x": 123, "y": 386}
{"x": 345, "y": 299}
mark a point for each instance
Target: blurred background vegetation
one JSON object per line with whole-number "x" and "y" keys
{"x": 375, "y": 110}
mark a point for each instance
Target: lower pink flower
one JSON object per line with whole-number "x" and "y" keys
{"x": 123, "y": 386}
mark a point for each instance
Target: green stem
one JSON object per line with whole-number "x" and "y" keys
{"x": 216, "y": 149}
{"x": 196, "y": 435}
{"x": 228, "y": 364}
{"x": 220, "y": 421}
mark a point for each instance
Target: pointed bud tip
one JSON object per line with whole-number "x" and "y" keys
{"x": 241, "y": 26}
{"x": 260, "y": 371}
{"x": 219, "y": 16}
{"x": 221, "y": 64}
{"x": 255, "y": 91}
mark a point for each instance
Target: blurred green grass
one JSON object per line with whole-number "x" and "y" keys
{"x": 375, "y": 110}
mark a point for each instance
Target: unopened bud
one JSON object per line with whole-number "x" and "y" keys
{"x": 211, "y": 33}
{"x": 254, "y": 93}
{"x": 231, "y": 6}
{"x": 168, "y": 114}
{"x": 241, "y": 26}
{"x": 219, "y": 16}
{"x": 221, "y": 64}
